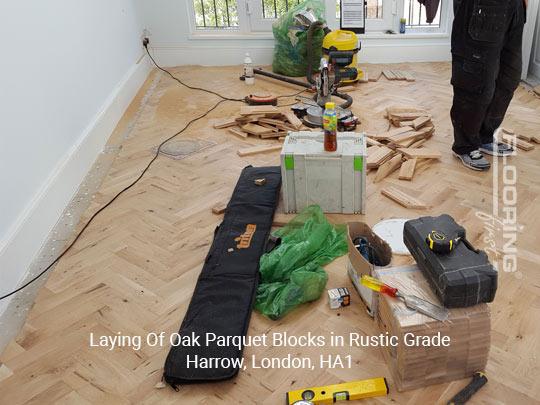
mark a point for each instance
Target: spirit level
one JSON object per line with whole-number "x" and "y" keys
{"x": 328, "y": 394}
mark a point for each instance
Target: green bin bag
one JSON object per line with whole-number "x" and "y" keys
{"x": 290, "y": 51}
{"x": 291, "y": 274}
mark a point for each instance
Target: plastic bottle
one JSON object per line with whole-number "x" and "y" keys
{"x": 330, "y": 127}
{"x": 402, "y": 24}
{"x": 249, "y": 76}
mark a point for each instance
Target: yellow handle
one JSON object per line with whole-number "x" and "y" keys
{"x": 379, "y": 286}
{"x": 372, "y": 282}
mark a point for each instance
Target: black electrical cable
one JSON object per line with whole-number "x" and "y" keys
{"x": 156, "y": 155}
{"x": 134, "y": 182}
{"x": 187, "y": 85}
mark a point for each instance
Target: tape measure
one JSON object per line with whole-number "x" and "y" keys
{"x": 439, "y": 242}
{"x": 329, "y": 394}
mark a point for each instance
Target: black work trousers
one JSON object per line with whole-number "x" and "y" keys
{"x": 486, "y": 67}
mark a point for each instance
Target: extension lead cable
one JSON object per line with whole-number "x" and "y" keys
{"x": 154, "y": 158}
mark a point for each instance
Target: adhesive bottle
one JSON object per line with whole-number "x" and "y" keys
{"x": 330, "y": 127}
{"x": 249, "y": 76}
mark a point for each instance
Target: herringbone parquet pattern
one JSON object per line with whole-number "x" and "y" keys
{"x": 135, "y": 268}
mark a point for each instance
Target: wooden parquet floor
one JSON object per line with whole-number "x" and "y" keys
{"x": 135, "y": 268}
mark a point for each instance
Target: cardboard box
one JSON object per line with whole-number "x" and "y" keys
{"x": 417, "y": 366}
{"x": 358, "y": 265}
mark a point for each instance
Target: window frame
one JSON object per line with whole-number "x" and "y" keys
{"x": 251, "y": 23}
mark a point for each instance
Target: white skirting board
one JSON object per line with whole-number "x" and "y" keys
{"x": 375, "y": 50}
{"x": 25, "y": 238}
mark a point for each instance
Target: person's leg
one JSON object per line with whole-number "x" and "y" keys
{"x": 507, "y": 80}
{"x": 477, "y": 40}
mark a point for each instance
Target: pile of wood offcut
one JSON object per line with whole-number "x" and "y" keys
{"x": 261, "y": 121}
{"x": 401, "y": 147}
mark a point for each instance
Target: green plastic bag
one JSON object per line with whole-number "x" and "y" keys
{"x": 291, "y": 274}
{"x": 290, "y": 51}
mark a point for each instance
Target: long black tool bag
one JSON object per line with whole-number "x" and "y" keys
{"x": 224, "y": 295}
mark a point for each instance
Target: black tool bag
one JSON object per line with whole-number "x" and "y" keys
{"x": 226, "y": 288}
{"x": 461, "y": 278}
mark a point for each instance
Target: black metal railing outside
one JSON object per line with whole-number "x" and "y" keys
{"x": 216, "y": 13}
{"x": 415, "y": 14}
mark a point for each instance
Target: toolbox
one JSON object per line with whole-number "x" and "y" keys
{"x": 336, "y": 181}
{"x": 461, "y": 275}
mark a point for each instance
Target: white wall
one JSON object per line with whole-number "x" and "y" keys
{"x": 173, "y": 42}
{"x": 68, "y": 70}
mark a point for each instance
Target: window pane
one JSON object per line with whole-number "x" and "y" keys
{"x": 415, "y": 14}
{"x": 216, "y": 13}
{"x": 275, "y": 8}
{"x": 374, "y": 9}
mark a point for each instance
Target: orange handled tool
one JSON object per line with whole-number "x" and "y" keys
{"x": 411, "y": 301}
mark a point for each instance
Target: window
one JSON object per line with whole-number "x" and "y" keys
{"x": 379, "y": 15}
{"x": 374, "y": 9}
{"x": 415, "y": 14}
{"x": 215, "y": 14}
{"x": 274, "y": 8}
{"x": 258, "y": 15}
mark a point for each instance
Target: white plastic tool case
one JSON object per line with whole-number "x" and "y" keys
{"x": 336, "y": 181}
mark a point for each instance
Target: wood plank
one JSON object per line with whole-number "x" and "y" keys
{"x": 420, "y": 122}
{"x": 409, "y": 76}
{"x": 220, "y": 207}
{"x": 509, "y": 131}
{"x": 256, "y": 129}
{"x": 238, "y": 132}
{"x": 389, "y": 134}
{"x": 279, "y": 134}
{"x": 372, "y": 142}
{"x": 406, "y": 136}
{"x": 420, "y": 153}
{"x": 248, "y": 118}
{"x": 271, "y": 121}
{"x": 524, "y": 137}
{"x": 530, "y": 139}
{"x": 417, "y": 144}
{"x": 378, "y": 157}
{"x": 258, "y": 109}
{"x": 389, "y": 74}
{"x": 521, "y": 144}
{"x": 268, "y": 126}
{"x": 407, "y": 169}
{"x": 406, "y": 123}
{"x": 293, "y": 120}
{"x": 407, "y": 116}
{"x": 405, "y": 109}
{"x": 398, "y": 74}
{"x": 372, "y": 149}
{"x": 225, "y": 123}
{"x": 388, "y": 168}
{"x": 536, "y": 90}
{"x": 403, "y": 198}
{"x": 258, "y": 149}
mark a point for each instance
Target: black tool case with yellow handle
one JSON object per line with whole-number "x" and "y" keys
{"x": 461, "y": 278}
